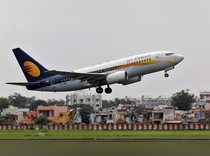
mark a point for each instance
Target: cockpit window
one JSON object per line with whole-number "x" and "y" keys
{"x": 169, "y": 54}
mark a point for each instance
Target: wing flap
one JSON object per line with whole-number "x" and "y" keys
{"x": 93, "y": 78}
{"x": 74, "y": 74}
{"x": 80, "y": 76}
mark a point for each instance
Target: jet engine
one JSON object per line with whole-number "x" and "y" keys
{"x": 117, "y": 77}
{"x": 131, "y": 80}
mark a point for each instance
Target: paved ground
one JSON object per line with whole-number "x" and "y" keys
{"x": 66, "y": 148}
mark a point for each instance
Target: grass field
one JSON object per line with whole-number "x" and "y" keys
{"x": 97, "y": 135}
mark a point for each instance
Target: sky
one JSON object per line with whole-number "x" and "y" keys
{"x": 71, "y": 34}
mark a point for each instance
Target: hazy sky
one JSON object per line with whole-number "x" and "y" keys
{"x": 69, "y": 34}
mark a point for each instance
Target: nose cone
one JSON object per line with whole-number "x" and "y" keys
{"x": 179, "y": 58}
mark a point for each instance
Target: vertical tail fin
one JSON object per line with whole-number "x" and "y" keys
{"x": 32, "y": 69}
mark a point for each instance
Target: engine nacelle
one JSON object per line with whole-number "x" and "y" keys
{"x": 117, "y": 77}
{"x": 132, "y": 80}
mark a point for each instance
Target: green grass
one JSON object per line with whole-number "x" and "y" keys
{"x": 83, "y": 135}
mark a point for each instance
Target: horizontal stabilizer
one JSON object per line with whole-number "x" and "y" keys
{"x": 23, "y": 83}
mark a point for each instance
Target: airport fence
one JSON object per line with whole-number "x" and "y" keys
{"x": 135, "y": 127}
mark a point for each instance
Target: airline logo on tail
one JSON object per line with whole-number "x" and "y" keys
{"x": 31, "y": 69}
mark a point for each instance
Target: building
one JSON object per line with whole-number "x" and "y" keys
{"x": 94, "y": 100}
{"x": 163, "y": 114}
{"x": 30, "y": 118}
{"x": 103, "y": 117}
{"x": 159, "y": 114}
{"x": 205, "y": 98}
{"x": 55, "y": 114}
{"x": 151, "y": 102}
{"x": 133, "y": 101}
{"x": 51, "y": 111}
{"x": 19, "y": 112}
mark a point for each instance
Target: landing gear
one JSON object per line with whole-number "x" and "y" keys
{"x": 166, "y": 71}
{"x": 166, "y": 75}
{"x": 108, "y": 90}
{"x": 99, "y": 90}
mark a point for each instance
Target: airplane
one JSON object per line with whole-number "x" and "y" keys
{"x": 123, "y": 71}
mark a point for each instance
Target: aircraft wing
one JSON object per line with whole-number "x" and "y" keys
{"x": 93, "y": 78}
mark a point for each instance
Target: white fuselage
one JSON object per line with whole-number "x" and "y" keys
{"x": 134, "y": 66}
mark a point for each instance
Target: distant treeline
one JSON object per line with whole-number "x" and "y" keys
{"x": 20, "y": 101}
{"x": 182, "y": 100}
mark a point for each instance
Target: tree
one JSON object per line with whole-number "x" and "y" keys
{"x": 56, "y": 102}
{"x": 37, "y": 103}
{"x": 41, "y": 121}
{"x": 183, "y": 100}
{"x": 4, "y": 103}
{"x": 20, "y": 101}
{"x": 110, "y": 103}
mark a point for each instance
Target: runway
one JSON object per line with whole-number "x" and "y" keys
{"x": 99, "y": 148}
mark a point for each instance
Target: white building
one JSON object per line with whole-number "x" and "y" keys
{"x": 205, "y": 98}
{"x": 20, "y": 112}
{"x": 163, "y": 114}
{"x": 151, "y": 102}
{"x": 94, "y": 100}
{"x": 136, "y": 101}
